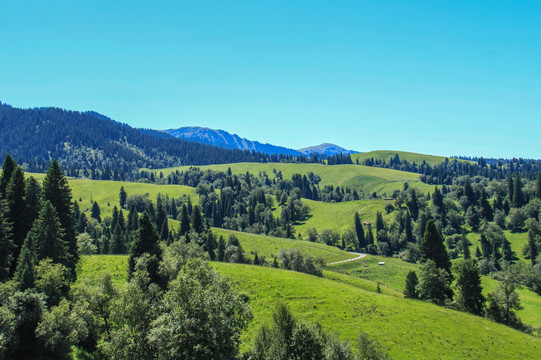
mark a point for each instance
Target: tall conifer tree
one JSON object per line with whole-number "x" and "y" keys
{"x": 433, "y": 248}
{"x": 7, "y": 169}
{"x": 57, "y": 191}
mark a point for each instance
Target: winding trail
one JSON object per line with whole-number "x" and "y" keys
{"x": 359, "y": 257}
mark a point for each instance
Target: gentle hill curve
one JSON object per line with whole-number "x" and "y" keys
{"x": 404, "y": 155}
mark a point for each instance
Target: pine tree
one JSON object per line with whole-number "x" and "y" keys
{"x": 538, "y": 185}
{"x": 16, "y": 211}
{"x": 468, "y": 285}
{"x": 122, "y": 197}
{"x": 486, "y": 246}
{"x": 408, "y": 228}
{"x": 7, "y": 257}
{"x": 468, "y": 192}
{"x": 32, "y": 198}
{"x": 25, "y": 275}
{"x": 161, "y": 216}
{"x": 221, "y": 248}
{"x": 95, "y": 212}
{"x": 184, "y": 220}
{"x": 518, "y": 195}
{"x": 117, "y": 241}
{"x": 437, "y": 201}
{"x": 359, "y": 231}
{"x": 369, "y": 235}
{"x": 146, "y": 241}
{"x": 510, "y": 188}
{"x": 465, "y": 247}
{"x": 380, "y": 225}
{"x": 508, "y": 254}
{"x": 133, "y": 219}
{"x": 433, "y": 248}
{"x": 478, "y": 253}
{"x": 410, "y": 290}
{"x": 7, "y": 169}
{"x": 164, "y": 233}
{"x": 47, "y": 237}
{"x": 56, "y": 190}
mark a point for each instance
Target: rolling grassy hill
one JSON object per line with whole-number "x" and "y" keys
{"x": 365, "y": 178}
{"x": 346, "y": 305}
{"x": 409, "y": 156}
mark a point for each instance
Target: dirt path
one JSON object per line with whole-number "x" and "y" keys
{"x": 359, "y": 257}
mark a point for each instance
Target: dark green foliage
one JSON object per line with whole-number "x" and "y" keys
{"x": 359, "y": 231}
{"x": 465, "y": 247}
{"x": 6, "y": 245}
{"x": 56, "y": 190}
{"x": 412, "y": 281}
{"x": 7, "y": 169}
{"x": 518, "y": 194}
{"x": 437, "y": 201}
{"x": 47, "y": 237}
{"x": 146, "y": 241}
{"x": 133, "y": 219}
{"x": 32, "y": 197}
{"x": 117, "y": 241}
{"x": 434, "y": 284}
{"x": 95, "y": 212}
{"x": 408, "y": 228}
{"x": 25, "y": 275}
{"x": 433, "y": 248}
{"x": 16, "y": 210}
{"x": 221, "y": 249}
{"x": 468, "y": 287}
{"x": 370, "y": 348}
{"x": 538, "y": 185}
{"x": 184, "y": 220}
{"x": 288, "y": 338}
{"x": 293, "y": 259}
{"x": 52, "y": 279}
{"x": 123, "y": 196}
{"x": 380, "y": 225}
{"x": 197, "y": 221}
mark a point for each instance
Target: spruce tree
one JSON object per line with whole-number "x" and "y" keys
{"x": 508, "y": 254}
{"x": 16, "y": 211}
{"x": 47, "y": 237}
{"x": 408, "y": 227}
{"x": 412, "y": 281}
{"x": 32, "y": 198}
{"x": 7, "y": 169}
{"x": 510, "y": 188}
{"x": 468, "y": 285}
{"x": 95, "y": 212}
{"x": 146, "y": 241}
{"x": 221, "y": 248}
{"x": 122, "y": 197}
{"x": 359, "y": 231}
{"x": 117, "y": 241}
{"x": 184, "y": 220}
{"x": 7, "y": 257}
{"x": 25, "y": 275}
{"x": 437, "y": 201}
{"x": 56, "y": 190}
{"x": 518, "y": 195}
{"x": 433, "y": 248}
{"x": 164, "y": 232}
{"x": 133, "y": 219}
{"x": 197, "y": 221}
{"x": 465, "y": 247}
{"x": 369, "y": 235}
{"x": 538, "y": 185}
{"x": 161, "y": 216}
{"x": 380, "y": 224}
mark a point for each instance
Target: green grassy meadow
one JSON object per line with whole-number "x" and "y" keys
{"x": 346, "y": 305}
{"x": 365, "y": 178}
{"x": 409, "y": 156}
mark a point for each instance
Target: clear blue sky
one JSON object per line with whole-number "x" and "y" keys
{"x": 437, "y": 77}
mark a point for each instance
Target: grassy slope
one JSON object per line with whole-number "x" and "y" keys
{"x": 408, "y": 328}
{"x": 108, "y": 192}
{"x": 339, "y": 216}
{"x": 368, "y": 179}
{"x": 409, "y": 156}
{"x": 268, "y": 246}
{"x": 346, "y": 305}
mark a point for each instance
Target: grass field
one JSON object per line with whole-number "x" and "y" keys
{"x": 345, "y": 305}
{"x": 409, "y": 156}
{"x": 367, "y": 179}
{"x": 107, "y": 192}
{"x": 339, "y": 216}
{"x": 269, "y": 246}
{"x": 407, "y": 328}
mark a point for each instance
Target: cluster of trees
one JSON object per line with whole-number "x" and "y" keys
{"x": 287, "y": 337}
{"x": 436, "y": 276}
{"x": 447, "y": 171}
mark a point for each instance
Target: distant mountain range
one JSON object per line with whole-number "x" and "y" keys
{"x": 223, "y": 139}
